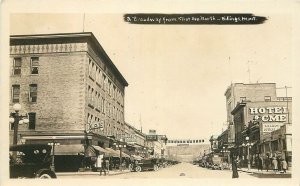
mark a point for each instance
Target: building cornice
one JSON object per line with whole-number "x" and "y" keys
{"x": 238, "y": 107}
{"x": 64, "y": 38}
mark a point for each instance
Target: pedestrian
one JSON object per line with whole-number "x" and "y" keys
{"x": 260, "y": 163}
{"x": 256, "y": 161}
{"x": 275, "y": 164}
{"x": 279, "y": 163}
{"x": 267, "y": 163}
{"x": 103, "y": 167}
{"x": 284, "y": 165}
{"x": 235, "y": 173}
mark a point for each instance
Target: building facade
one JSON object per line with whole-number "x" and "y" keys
{"x": 70, "y": 88}
{"x": 156, "y": 144}
{"x": 136, "y": 141}
{"x": 238, "y": 92}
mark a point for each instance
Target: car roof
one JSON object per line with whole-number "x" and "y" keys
{"x": 29, "y": 147}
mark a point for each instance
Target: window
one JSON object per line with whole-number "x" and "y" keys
{"x": 16, "y": 93}
{"x": 34, "y": 65}
{"x": 104, "y": 82}
{"x": 92, "y": 96}
{"x": 109, "y": 87}
{"x": 32, "y": 120}
{"x": 33, "y": 93}
{"x": 242, "y": 99}
{"x": 268, "y": 98}
{"x": 103, "y": 105}
{"x": 17, "y": 66}
{"x": 90, "y": 67}
{"x": 89, "y": 94}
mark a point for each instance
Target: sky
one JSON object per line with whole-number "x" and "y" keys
{"x": 178, "y": 74}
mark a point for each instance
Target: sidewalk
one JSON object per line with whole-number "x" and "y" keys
{"x": 266, "y": 174}
{"x": 110, "y": 173}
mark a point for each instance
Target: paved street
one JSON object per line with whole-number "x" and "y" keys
{"x": 184, "y": 170}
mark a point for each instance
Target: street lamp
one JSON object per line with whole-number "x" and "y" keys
{"x": 120, "y": 145}
{"x": 248, "y": 145}
{"x": 17, "y": 119}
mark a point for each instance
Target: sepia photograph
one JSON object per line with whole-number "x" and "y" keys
{"x": 172, "y": 94}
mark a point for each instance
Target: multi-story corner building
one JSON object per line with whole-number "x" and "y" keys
{"x": 239, "y": 92}
{"x": 186, "y": 150}
{"x": 69, "y": 87}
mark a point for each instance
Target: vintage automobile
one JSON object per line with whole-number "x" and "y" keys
{"x": 145, "y": 164}
{"x": 30, "y": 161}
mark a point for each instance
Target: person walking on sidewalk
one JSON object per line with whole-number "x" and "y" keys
{"x": 103, "y": 167}
{"x": 279, "y": 163}
{"x": 235, "y": 173}
{"x": 284, "y": 165}
{"x": 267, "y": 163}
{"x": 260, "y": 163}
{"x": 275, "y": 164}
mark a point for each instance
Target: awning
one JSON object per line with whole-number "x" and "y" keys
{"x": 90, "y": 151}
{"x": 124, "y": 155}
{"x": 100, "y": 149}
{"x": 68, "y": 149}
{"x": 112, "y": 152}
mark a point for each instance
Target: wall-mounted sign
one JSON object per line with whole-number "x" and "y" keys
{"x": 270, "y": 127}
{"x": 95, "y": 127}
{"x": 269, "y": 114}
{"x": 151, "y": 137}
{"x": 183, "y": 144}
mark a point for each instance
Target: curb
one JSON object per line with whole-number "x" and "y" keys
{"x": 89, "y": 173}
{"x": 267, "y": 174}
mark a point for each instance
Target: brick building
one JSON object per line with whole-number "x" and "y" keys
{"x": 70, "y": 88}
{"x": 238, "y": 92}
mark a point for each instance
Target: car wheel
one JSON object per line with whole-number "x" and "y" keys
{"x": 155, "y": 167}
{"x": 138, "y": 169}
{"x": 45, "y": 176}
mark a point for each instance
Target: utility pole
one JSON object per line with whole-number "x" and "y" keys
{"x": 141, "y": 123}
{"x": 83, "y": 22}
{"x": 249, "y": 70}
{"x": 287, "y": 101}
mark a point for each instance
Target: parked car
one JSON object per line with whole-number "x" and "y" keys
{"x": 30, "y": 161}
{"x": 195, "y": 162}
{"x": 145, "y": 164}
{"x": 217, "y": 167}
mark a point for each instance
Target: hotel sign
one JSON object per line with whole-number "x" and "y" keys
{"x": 269, "y": 114}
{"x": 272, "y": 117}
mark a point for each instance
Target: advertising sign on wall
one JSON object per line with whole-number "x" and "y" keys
{"x": 270, "y": 127}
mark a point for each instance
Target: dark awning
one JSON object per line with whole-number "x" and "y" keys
{"x": 124, "y": 155}
{"x": 69, "y": 149}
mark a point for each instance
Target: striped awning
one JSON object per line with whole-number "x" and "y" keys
{"x": 100, "y": 149}
{"x": 112, "y": 152}
{"x": 124, "y": 155}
